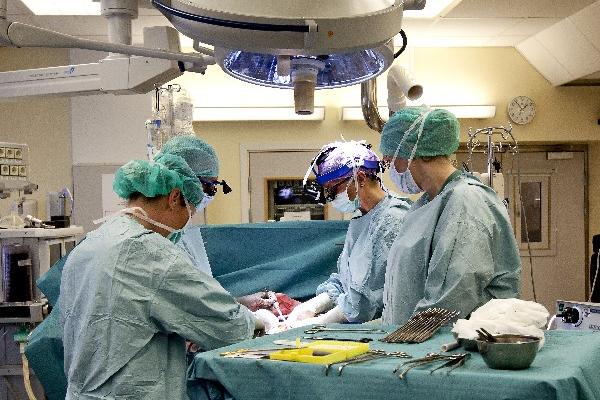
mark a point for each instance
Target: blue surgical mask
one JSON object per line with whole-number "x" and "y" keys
{"x": 404, "y": 181}
{"x": 342, "y": 202}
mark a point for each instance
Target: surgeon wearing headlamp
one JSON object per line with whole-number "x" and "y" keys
{"x": 349, "y": 173}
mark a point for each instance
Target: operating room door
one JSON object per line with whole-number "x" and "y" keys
{"x": 552, "y": 189}
{"x": 278, "y": 164}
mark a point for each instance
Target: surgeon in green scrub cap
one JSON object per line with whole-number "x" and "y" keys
{"x": 456, "y": 248}
{"x": 129, "y": 298}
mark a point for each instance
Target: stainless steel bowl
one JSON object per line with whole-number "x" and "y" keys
{"x": 509, "y": 351}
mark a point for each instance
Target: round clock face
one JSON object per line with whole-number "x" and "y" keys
{"x": 521, "y": 110}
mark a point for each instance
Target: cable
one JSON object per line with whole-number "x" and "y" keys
{"x": 404, "y": 44}
{"x": 595, "y": 276}
{"x": 26, "y": 378}
{"x": 524, "y": 214}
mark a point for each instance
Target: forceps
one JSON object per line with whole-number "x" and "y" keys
{"x": 323, "y": 328}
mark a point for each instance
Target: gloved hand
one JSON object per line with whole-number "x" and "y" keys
{"x": 310, "y": 308}
{"x": 256, "y": 301}
{"x": 335, "y": 315}
{"x": 267, "y": 318}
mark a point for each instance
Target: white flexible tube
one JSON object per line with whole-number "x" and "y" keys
{"x": 401, "y": 85}
{"x": 26, "y": 378}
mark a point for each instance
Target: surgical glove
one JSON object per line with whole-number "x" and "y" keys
{"x": 256, "y": 301}
{"x": 310, "y": 308}
{"x": 333, "y": 316}
{"x": 269, "y": 320}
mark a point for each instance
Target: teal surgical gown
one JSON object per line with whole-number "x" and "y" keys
{"x": 193, "y": 245}
{"x": 357, "y": 287}
{"x": 456, "y": 251}
{"x": 129, "y": 299}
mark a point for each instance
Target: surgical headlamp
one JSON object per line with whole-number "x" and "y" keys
{"x": 299, "y": 44}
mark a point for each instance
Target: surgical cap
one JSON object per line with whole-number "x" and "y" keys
{"x": 440, "y": 135}
{"x": 200, "y": 156}
{"x": 158, "y": 178}
{"x": 338, "y": 159}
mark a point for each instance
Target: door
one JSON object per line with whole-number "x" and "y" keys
{"x": 550, "y": 224}
{"x": 266, "y": 166}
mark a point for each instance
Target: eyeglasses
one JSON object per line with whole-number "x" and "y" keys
{"x": 331, "y": 192}
{"x": 210, "y": 187}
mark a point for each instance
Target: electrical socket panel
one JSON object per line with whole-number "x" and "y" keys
{"x": 14, "y": 166}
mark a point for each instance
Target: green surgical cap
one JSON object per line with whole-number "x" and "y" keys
{"x": 439, "y": 138}
{"x": 158, "y": 178}
{"x": 200, "y": 156}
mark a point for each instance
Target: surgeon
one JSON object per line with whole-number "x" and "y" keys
{"x": 456, "y": 249}
{"x": 349, "y": 172}
{"x": 129, "y": 298}
{"x": 202, "y": 159}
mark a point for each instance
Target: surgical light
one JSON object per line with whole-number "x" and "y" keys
{"x": 299, "y": 44}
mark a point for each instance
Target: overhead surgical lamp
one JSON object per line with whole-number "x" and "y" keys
{"x": 299, "y": 44}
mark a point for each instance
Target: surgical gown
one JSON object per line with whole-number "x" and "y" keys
{"x": 193, "y": 245}
{"x": 357, "y": 287}
{"x": 456, "y": 251}
{"x": 129, "y": 299}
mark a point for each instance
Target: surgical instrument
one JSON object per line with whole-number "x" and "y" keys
{"x": 368, "y": 356}
{"x": 453, "y": 361}
{"x": 361, "y": 340}
{"x": 272, "y": 296}
{"x": 373, "y": 355}
{"x": 421, "y": 326}
{"x": 323, "y": 328}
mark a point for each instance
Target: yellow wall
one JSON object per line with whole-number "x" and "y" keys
{"x": 43, "y": 123}
{"x": 449, "y": 75}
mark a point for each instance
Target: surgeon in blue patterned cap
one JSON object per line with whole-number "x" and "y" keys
{"x": 350, "y": 174}
{"x": 456, "y": 249}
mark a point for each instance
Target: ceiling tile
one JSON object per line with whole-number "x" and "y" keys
{"x": 455, "y": 41}
{"x": 587, "y": 21}
{"x": 544, "y": 61}
{"x": 570, "y": 47}
{"x": 506, "y": 40}
{"x": 517, "y": 8}
{"x": 471, "y": 26}
{"x": 530, "y": 26}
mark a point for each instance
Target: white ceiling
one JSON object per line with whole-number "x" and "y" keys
{"x": 467, "y": 22}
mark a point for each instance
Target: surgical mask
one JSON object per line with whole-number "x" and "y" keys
{"x": 342, "y": 202}
{"x": 404, "y": 181}
{"x": 176, "y": 234}
{"x": 206, "y": 200}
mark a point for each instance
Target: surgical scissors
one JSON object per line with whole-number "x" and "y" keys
{"x": 323, "y": 328}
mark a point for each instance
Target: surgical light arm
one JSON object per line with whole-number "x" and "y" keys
{"x": 159, "y": 62}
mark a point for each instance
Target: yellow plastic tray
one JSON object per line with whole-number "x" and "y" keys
{"x": 322, "y": 352}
